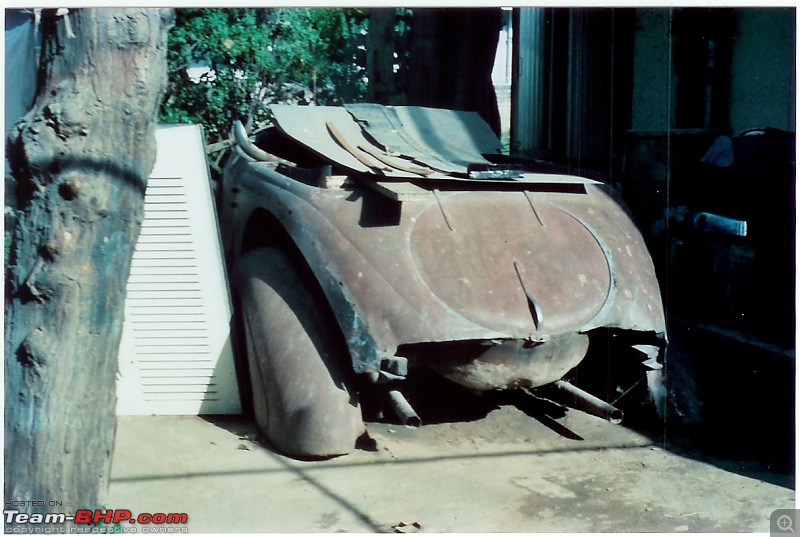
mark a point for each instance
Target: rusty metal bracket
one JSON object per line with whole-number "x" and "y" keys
{"x": 402, "y": 167}
{"x": 536, "y": 309}
{"x": 529, "y": 197}
{"x": 441, "y": 207}
{"x": 342, "y": 141}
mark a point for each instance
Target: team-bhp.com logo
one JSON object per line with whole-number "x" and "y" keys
{"x": 94, "y": 521}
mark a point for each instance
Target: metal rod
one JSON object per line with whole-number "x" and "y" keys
{"x": 589, "y": 403}
{"x": 533, "y": 207}
{"x": 403, "y": 409}
{"x": 536, "y": 309}
{"x": 441, "y": 207}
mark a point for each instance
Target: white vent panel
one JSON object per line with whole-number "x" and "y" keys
{"x": 175, "y": 354}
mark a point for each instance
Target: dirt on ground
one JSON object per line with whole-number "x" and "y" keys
{"x": 490, "y": 465}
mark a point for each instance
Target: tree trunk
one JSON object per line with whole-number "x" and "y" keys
{"x": 81, "y": 158}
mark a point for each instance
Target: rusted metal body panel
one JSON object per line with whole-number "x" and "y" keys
{"x": 493, "y": 284}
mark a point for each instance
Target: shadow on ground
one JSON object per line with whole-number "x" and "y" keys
{"x": 747, "y": 418}
{"x": 745, "y": 424}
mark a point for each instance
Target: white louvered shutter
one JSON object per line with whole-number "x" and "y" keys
{"x": 175, "y": 355}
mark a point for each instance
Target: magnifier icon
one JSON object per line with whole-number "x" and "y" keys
{"x": 785, "y": 523}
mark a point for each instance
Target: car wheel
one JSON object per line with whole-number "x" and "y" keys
{"x": 303, "y": 398}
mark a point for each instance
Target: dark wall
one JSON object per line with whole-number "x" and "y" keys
{"x": 452, "y": 53}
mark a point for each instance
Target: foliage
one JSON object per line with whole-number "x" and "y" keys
{"x": 255, "y": 57}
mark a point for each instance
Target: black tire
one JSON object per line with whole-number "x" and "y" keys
{"x": 301, "y": 379}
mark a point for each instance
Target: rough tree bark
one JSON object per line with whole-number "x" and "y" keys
{"x": 81, "y": 158}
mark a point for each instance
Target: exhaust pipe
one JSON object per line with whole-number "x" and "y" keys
{"x": 589, "y": 403}
{"x": 250, "y": 149}
{"x": 403, "y": 409}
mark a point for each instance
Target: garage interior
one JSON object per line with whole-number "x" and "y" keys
{"x": 645, "y": 98}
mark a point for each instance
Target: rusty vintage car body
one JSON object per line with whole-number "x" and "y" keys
{"x": 416, "y": 243}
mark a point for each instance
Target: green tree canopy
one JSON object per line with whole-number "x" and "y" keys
{"x": 231, "y": 63}
{"x": 228, "y": 64}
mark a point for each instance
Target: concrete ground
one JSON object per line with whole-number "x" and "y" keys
{"x": 510, "y": 470}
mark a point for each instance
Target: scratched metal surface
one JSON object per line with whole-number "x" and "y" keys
{"x": 526, "y": 271}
